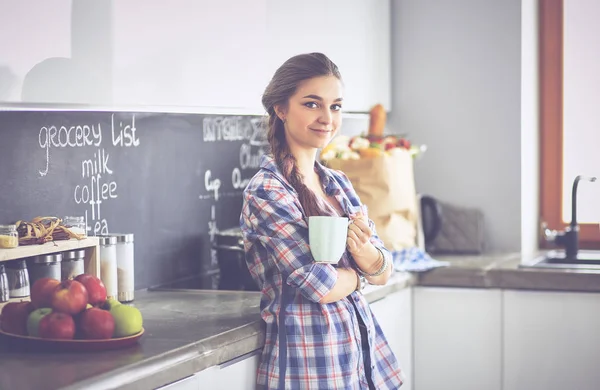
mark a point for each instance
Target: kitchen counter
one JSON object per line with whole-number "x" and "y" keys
{"x": 190, "y": 330}
{"x": 186, "y": 332}
{"x": 503, "y": 271}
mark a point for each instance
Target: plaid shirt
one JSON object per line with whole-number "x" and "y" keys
{"x": 321, "y": 345}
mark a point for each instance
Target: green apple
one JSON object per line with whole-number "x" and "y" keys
{"x": 128, "y": 320}
{"x": 109, "y": 303}
{"x": 33, "y": 321}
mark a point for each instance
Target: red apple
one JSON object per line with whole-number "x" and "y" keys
{"x": 95, "y": 288}
{"x": 96, "y": 324}
{"x": 42, "y": 292}
{"x": 14, "y": 317}
{"x": 70, "y": 297}
{"x": 57, "y": 325}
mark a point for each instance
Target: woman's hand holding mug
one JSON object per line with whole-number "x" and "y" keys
{"x": 359, "y": 234}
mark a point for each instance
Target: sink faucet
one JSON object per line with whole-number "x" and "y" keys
{"x": 569, "y": 238}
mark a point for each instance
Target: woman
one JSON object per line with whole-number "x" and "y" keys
{"x": 330, "y": 339}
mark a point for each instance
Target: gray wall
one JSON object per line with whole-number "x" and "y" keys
{"x": 456, "y": 68}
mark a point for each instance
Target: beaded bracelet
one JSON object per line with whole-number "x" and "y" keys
{"x": 380, "y": 271}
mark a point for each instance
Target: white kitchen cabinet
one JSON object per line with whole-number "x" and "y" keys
{"x": 197, "y": 53}
{"x": 189, "y": 383}
{"x": 355, "y": 34}
{"x": 394, "y": 314}
{"x": 236, "y": 374}
{"x": 551, "y": 340}
{"x": 457, "y": 338}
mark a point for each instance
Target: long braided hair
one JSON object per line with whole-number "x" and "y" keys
{"x": 282, "y": 86}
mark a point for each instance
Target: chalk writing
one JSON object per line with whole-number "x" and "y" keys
{"x": 98, "y": 185}
{"x": 259, "y": 132}
{"x": 212, "y": 224}
{"x": 125, "y": 135}
{"x": 211, "y": 184}
{"x": 64, "y": 137}
{"x": 248, "y": 159}
{"x": 237, "y": 180}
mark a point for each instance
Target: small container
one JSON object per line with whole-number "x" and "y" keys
{"x": 75, "y": 224}
{"x": 4, "y": 290}
{"x": 73, "y": 264}
{"x": 125, "y": 267}
{"x": 108, "y": 265}
{"x": 44, "y": 266}
{"x": 9, "y": 238}
{"x": 18, "y": 278}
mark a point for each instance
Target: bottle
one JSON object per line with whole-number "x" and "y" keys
{"x": 108, "y": 265}
{"x": 18, "y": 279}
{"x": 125, "y": 267}
{"x": 4, "y": 290}
{"x": 9, "y": 238}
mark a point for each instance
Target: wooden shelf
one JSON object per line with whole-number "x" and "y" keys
{"x": 91, "y": 244}
{"x": 49, "y": 247}
{"x": 91, "y": 261}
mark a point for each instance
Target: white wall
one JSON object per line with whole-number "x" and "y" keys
{"x": 530, "y": 155}
{"x": 28, "y": 39}
{"x": 456, "y": 71}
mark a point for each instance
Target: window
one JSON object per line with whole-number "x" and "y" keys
{"x": 569, "y": 115}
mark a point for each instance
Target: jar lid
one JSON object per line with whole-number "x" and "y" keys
{"x": 123, "y": 237}
{"x": 74, "y": 255}
{"x": 16, "y": 264}
{"x": 108, "y": 240}
{"x": 49, "y": 258}
{"x": 77, "y": 217}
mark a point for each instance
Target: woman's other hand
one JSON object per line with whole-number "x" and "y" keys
{"x": 359, "y": 233}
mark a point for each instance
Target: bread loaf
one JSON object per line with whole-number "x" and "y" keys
{"x": 377, "y": 120}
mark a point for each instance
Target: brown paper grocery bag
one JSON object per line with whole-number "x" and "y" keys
{"x": 386, "y": 185}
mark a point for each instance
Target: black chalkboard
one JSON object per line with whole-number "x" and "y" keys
{"x": 171, "y": 179}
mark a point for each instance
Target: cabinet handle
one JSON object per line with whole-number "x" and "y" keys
{"x": 239, "y": 359}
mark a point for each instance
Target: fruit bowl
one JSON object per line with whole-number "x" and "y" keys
{"x": 38, "y": 344}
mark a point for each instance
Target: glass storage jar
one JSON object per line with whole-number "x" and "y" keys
{"x": 9, "y": 238}
{"x": 44, "y": 266}
{"x": 125, "y": 269}
{"x": 4, "y": 291}
{"x": 18, "y": 278}
{"x": 72, "y": 264}
{"x": 75, "y": 224}
{"x": 108, "y": 265}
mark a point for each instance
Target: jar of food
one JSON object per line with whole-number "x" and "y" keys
{"x": 44, "y": 266}
{"x": 4, "y": 290}
{"x": 108, "y": 265}
{"x": 18, "y": 278}
{"x": 75, "y": 224}
{"x": 125, "y": 269}
{"x": 73, "y": 264}
{"x": 9, "y": 238}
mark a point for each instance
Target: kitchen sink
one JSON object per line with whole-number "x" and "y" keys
{"x": 557, "y": 259}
